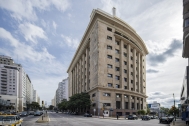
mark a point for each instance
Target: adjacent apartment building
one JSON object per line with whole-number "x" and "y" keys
{"x": 185, "y": 86}
{"x": 110, "y": 65}
{"x": 15, "y": 84}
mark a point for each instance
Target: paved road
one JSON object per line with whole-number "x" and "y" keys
{"x": 59, "y": 119}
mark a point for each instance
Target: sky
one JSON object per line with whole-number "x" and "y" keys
{"x": 43, "y": 36}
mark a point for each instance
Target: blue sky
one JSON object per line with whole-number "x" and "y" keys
{"x": 43, "y": 36}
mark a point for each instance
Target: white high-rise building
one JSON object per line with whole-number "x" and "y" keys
{"x": 35, "y": 96}
{"x": 13, "y": 82}
{"x": 62, "y": 91}
{"x": 29, "y": 90}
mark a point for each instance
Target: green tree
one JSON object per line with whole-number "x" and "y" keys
{"x": 142, "y": 112}
{"x": 34, "y": 105}
{"x": 173, "y": 110}
{"x": 51, "y": 107}
{"x": 164, "y": 110}
{"x": 79, "y": 101}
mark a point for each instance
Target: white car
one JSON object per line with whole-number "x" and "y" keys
{"x": 13, "y": 120}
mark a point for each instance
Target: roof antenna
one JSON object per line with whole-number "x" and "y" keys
{"x": 114, "y": 11}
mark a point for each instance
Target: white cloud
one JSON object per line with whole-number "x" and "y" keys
{"x": 32, "y": 32}
{"x": 165, "y": 99}
{"x": 54, "y": 25}
{"x": 25, "y": 51}
{"x": 26, "y": 8}
{"x": 71, "y": 42}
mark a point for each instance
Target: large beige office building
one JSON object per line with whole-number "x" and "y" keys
{"x": 110, "y": 64}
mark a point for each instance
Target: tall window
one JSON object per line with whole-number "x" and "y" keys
{"x": 117, "y": 77}
{"x": 125, "y": 46}
{"x": 186, "y": 22}
{"x": 125, "y": 79}
{"x": 117, "y": 86}
{"x": 109, "y": 29}
{"x": 117, "y": 59}
{"x": 107, "y": 94}
{"x": 109, "y": 38}
{"x": 125, "y": 71}
{"x": 117, "y": 51}
{"x": 109, "y": 56}
{"x": 117, "y": 42}
{"x": 117, "y": 68}
{"x": 110, "y": 75}
{"x": 109, "y": 47}
{"x": 109, "y": 84}
{"x": 125, "y": 54}
{"x": 109, "y": 66}
{"x": 125, "y": 62}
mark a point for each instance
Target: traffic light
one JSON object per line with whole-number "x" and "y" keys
{"x": 42, "y": 102}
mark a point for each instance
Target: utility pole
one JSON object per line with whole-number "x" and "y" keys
{"x": 174, "y": 107}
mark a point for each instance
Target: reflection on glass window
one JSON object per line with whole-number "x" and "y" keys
{"x": 186, "y": 22}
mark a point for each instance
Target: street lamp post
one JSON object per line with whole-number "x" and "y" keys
{"x": 174, "y": 107}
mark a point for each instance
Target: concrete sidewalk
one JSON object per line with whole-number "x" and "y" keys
{"x": 43, "y": 119}
{"x": 178, "y": 122}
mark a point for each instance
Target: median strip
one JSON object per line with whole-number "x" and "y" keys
{"x": 43, "y": 119}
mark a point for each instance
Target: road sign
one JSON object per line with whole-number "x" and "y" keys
{"x": 94, "y": 109}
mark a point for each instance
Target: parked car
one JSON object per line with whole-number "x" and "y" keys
{"x": 132, "y": 117}
{"x": 24, "y": 113}
{"x": 41, "y": 112}
{"x": 31, "y": 112}
{"x": 165, "y": 120}
{"x": 37, "y": 113}
{"x": 87, "y": 115}
{"x": 145, "y": 117}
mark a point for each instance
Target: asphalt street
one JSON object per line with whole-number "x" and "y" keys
{"x": 60, "y": 119}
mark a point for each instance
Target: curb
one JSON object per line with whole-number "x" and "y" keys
{"x": 43, "y": 121}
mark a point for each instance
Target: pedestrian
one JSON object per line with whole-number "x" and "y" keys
{"x": 103, "y": 115}
{"x": 117, "y": 116}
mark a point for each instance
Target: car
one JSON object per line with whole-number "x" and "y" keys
{"x": 37, "y": 113}
{"x": 24, "y": 113}
{"x": 87, "y": 115}
{"x": 41, "y": 112}
{"x": 31, "y": 112}
{"x": 10, "y": 120}
{"x": 165, "y": 120}
{"x": 132, "y": 117}
{"x": 56, "y": 111}
{"x": 145, "y": 117}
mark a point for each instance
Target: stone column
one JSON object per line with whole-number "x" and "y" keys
{"x": 138, "y": 72}
{"x": 134, "y": 69}
{"x": 141, "y": 80}
{"x": 135, "y": 103}
{"x": 128, "y": 66}
{"x": 123, "y": 102}
{"x": 122, "y": 83}
{"x": 139, "y": 103}
{"x": 87, "y": 69}
{"x": 129, "y": 102}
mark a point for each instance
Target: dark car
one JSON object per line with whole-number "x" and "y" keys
{"x": 132, "y": 117}
{"x": 24, "y": 113}
{"x": 165, "y": 120}
{"x": 31, "y": 112}
{"x": 37, "y": 113}
{"x": 145, "y": 117}
{"x": 87, "y": 115}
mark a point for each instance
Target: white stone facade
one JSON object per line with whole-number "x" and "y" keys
{"x": 110, "y": 65}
